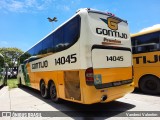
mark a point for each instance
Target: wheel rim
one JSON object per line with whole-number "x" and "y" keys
{"x": 151, "y": 85}
{"x": 53, "y": 91}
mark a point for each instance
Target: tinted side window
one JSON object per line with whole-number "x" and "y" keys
{"x": 25, "y": 56}
{"x": 67, "y": 35}
{"x": 71, "y": 31}
{"x": 38, "y": 49}
{"x": 146, "y": 43}
{"x": 61, "y": 39}
{"x": 30, "y": 52}
{"x": 134, "y": 46}
{"x": 47, "y": 44}
{"x": 58, "y": 40}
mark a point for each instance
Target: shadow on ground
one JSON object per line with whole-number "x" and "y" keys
{"x": 1, "y": 86}
{"x": 138, "y": 91}
{"x": 74, "y": 110}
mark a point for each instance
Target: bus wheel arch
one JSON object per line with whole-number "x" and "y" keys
{"x": 149, "y": 84}
{"x": 52, "y": 90}
{"x": 43, "y": 89}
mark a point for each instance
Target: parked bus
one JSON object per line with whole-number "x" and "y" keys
{"x": 86, "y": 60}
{"x": 1, "y": 69}
{"x": 146, "y": 60}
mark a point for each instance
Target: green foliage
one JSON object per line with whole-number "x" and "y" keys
{"x": 11, "y": 55}
{"x": 12, "y": 83}
{"x": 1, "y": 61}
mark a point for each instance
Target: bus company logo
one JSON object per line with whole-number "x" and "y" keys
{"x": 112, "y": 22}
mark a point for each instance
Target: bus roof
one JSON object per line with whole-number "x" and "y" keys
{"x": 145, "y": 32}
{"x": 90, "y": 10}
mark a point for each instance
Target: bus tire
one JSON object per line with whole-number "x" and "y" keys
{"x": 53, "y": 93}
{"x": 43, "y": 89}
{"x": 150, "y": 84}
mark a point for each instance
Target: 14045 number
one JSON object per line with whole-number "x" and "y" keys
{"x": 114, "y": 58}
{"x": 69, "y": 59}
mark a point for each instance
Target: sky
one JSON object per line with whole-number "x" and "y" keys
{"x": 24, "y": 22}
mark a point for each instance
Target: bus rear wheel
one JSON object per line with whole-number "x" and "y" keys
{"x": 150, "y": 85}
{"x": 43, "y": 90}
{"x": 53, "y": 93}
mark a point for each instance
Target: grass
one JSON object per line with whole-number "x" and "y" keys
{"x": 12, "y": 83}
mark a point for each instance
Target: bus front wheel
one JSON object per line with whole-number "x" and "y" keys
{"x": 150, "y": 85}
{"x": 53, "y": 93}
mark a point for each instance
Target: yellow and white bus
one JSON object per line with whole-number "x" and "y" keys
{"x": 86, "y": 60}
{"x": 146, "y": 60}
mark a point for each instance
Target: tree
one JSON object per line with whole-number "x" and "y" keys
{"x": 11, "y": 55}
{"x": 1, "y": 60}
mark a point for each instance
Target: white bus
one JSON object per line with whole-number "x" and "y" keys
{"x": 87, "y": 60}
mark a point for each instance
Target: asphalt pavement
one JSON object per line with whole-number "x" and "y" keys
{"x": 21, "y": 102}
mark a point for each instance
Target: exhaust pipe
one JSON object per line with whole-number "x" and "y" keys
{"x": 103, "y": 98}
